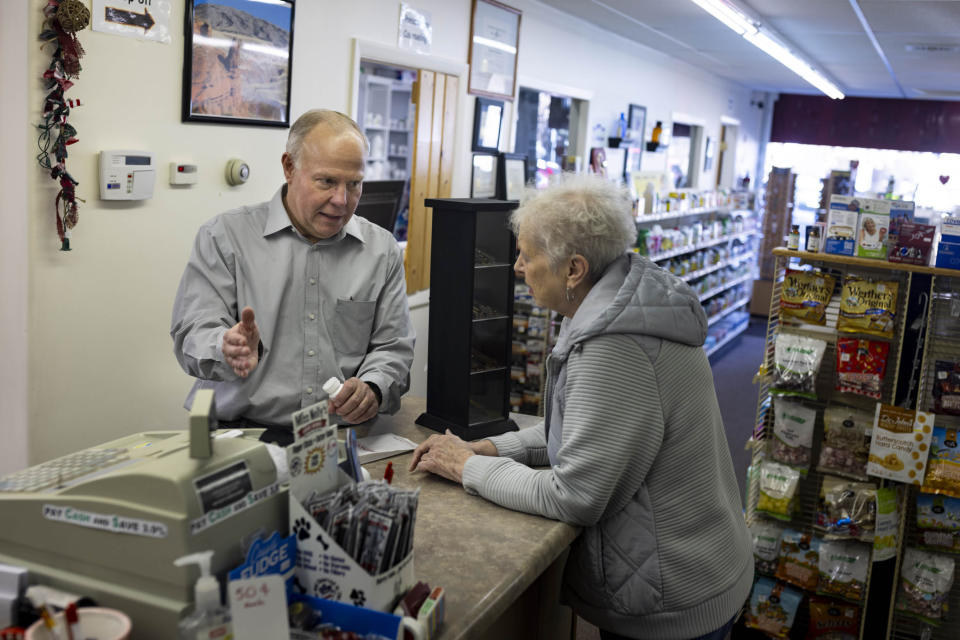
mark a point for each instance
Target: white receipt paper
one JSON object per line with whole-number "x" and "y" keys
{"x": 383, "y": 446}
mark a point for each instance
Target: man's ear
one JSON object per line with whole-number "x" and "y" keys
{"x": 286, "y": 160}
{"x": 577, "y": 270}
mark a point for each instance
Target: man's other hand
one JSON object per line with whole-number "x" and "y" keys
{"x": 356, "y": 401}
{"x": 241, "y": 344}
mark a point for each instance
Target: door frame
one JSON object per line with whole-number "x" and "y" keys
{"x": 579, "y": 113}
{"x": 387, "y": 54}
{"x": 730, "y": 132}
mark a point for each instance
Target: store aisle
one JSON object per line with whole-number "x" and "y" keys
{"x": 734, "y": 367}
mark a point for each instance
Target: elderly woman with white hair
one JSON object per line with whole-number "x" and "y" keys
{"x": 632, "y": 447}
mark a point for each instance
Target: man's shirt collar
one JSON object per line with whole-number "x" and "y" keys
{"x": 279, "y": 220}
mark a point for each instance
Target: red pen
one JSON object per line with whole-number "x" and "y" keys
{"x": 388, "y": 473}
{"x": 72, "y": 618}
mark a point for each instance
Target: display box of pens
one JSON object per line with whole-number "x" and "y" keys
{"x": 354, "y": 537}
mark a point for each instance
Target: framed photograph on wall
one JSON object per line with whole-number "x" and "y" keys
{"x": 237, "y": 62}
{"x": 487, "y": 120}
{"x": 512, "y": 175}
{"x": 636, "y": 124}
{"x": 483, "y": 176}
{"x": 494, "y": 40}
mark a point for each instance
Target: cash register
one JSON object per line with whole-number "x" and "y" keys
{"x": 108, "y": 522}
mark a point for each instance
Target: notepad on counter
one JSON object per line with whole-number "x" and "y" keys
{"x": 383, "y": 446}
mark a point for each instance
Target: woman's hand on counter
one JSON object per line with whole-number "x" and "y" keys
{"x": 443, "y": 455}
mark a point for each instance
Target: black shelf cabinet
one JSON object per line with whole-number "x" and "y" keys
{"x": 471, "y": 318}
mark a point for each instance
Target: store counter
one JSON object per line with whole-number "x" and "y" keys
{"x": 500, "y": 569}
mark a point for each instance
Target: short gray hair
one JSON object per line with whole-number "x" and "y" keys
{"x": 306, "y": 123}
{"x": 579, "y": 213}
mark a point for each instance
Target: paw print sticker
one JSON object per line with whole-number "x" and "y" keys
{"x": 302, "y": 528}
{"x": 358, "y": 598}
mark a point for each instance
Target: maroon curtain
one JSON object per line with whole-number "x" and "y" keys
{"x": 876, "y": 123}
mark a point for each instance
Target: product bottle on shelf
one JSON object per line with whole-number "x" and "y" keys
{"x": 657, "y": 130}
{"x": 793, "y": 240}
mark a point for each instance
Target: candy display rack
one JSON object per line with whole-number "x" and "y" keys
{"x": 919, "y": 339}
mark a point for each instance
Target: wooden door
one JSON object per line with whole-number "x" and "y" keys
{"x": 435, "y": 97}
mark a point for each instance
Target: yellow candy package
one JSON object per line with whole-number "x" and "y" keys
{"x": 805, "y": 295}
{"x": 778, "y": 485}
{"x": 943, "y": 466}
{"x": 867, "y": 306}
{"x": 900, "y": 444}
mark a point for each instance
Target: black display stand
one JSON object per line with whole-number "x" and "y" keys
{"x": 471, "y": 318}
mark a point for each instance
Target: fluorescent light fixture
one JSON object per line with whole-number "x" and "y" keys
{"x": 799, "y": 66}
{"x": 751, "y": 31}
{"x": 728, "y": 15}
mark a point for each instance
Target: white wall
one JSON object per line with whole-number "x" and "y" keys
{"x": 13, "y": 239}
{"x": 100, "y": 362}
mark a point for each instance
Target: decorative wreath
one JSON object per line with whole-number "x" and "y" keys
{"x": 63, "y": 19}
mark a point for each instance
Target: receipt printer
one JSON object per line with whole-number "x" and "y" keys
{"x": 127, "y": 175}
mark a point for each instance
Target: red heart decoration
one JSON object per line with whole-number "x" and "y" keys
{"x": 944, "y": 179}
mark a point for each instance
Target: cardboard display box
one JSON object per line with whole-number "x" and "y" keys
{"x": 323, "y": 568}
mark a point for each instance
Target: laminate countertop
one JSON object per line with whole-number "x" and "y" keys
{"x": 483, "y": 555}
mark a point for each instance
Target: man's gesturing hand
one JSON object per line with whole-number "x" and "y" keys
{"x": 241, "y": 344}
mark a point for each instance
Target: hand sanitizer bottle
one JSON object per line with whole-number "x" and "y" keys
{"x": 209, "y": 618}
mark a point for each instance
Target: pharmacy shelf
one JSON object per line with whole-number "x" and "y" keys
{"x": 735, "y": 260}
{"x": 723, "y": 287}
{"x": 850, "y": 261}
{"x": 727, "y": 338}
{"x": 663, "y": 255}
{"x": 672, "y": 215}
{"x": 723, "y": 314}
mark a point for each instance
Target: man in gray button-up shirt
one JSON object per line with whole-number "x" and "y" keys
{"x": 280, "y": 296}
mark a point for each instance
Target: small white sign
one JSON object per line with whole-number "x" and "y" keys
{"x": 105, "y": 521}
{"x": 416, "y": 29}
{"x": 259, "y": 608}
{"x": 213, "y": 517}
{"x": 143, "y": 19}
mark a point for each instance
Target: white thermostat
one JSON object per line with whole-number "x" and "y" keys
{"x": 237, "y": 172}
{"x": 127, "y": 175}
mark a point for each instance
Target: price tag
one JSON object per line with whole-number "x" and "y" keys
{"x": 259, "y": 608}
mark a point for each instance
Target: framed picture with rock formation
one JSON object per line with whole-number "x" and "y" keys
{"x": 237, "y": 62}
